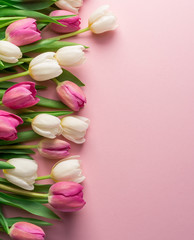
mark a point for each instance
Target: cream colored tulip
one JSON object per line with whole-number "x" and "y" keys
{"x": 74, "y": 128}
{"x": 44, "y": 67}
{"x": 102, "y": 20}
{"x": 47, "y": 125}
{"x": 24, "y": 173}
{"x": 69, "y": 5}
{"x": 9, "y": 52}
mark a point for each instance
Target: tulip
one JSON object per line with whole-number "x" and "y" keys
{"x": 47, "y": 125}
{"x": 9, "y": 52}
{"x": 70, "y": 56}
{"x": 74, "y": 128}
{"x": 21, "y": 95}
{"x": 53, "y": 148}
{"x": 71, "y": 24}
{"x": 23, "y": 32}
{"x": 102, "y": 20}
{"x": 26, "y": 231}
{"x": 66, "y": 196}
{"x": 70, "y": 5}
{"x": 67, "y": 170}
{"x": 24, "y": 173}
{"x": 71, "y": 95}
{"x": 8, "y": 124}
{"x": 44, "y": 67}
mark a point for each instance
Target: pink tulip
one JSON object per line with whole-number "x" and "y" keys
{"x": 8, "y": 124}
{"x": 53, "y": 148}
{"x": 66, "y": 196}
{"x": 71, "y": 95}
{"x": 26, "y": 231}
{"x": 23, "y": 32}
{"x": 21, "y": 95}
{"x": 72, "y": 24}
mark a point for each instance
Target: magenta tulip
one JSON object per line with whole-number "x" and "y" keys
{"x": 26, "y": 231}
{"x": 72, "y": 24}
{"x": 66, "y": 196}
{"x": 54, "y": 148}
{"x": 8, "y": 124}
{"x": 21, "y": 95}
{"x": 23, "y": 32}
{"x": 71, "y": 95}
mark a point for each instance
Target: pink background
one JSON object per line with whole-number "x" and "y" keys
{"x": 139, "y": 154}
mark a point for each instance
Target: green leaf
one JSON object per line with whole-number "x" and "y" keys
{"x": 46, "y": 102}
{"x": 7, "y": 12}
{"x": 6, "y": 84}
{"x": 7, "y": 156}
{"x": 24, "y": 136}
{"x": 8, "y": 65}
{"x": 31, "y": 115}
{"x": 42, "y": 188}
{"x": 35, "y": 46}
{"x": 5, "y": 165}
{"x": 27, "y": 205}
{"x": 66, "y": 75}
{"x": 1, "y": 65}
{"x": 3, "y": 222}
{"x": 11, "y": 221}
{"x": 17, "y": 151}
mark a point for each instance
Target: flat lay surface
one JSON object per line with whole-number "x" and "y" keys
{"x": 138, "y": 158}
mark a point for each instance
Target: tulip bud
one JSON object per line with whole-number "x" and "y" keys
{"x": 53, "y": 148}
{"x": 68, "y": 170}
{"x": 44, "y": 67}
{"x": 74, "y": 128}
{"x": 26, "y": 231}
{"x": 23, "y": 32}
{"x": 47, "y": 125}
{"x": 8, "y": 124}
{"x": 70, "y": 56}
{"x": 72, "y": 24}
{"x": 9, "y": 52}
{"x": 71, "y": 95}
{"x": 21, "y": 95}
{"x": 72, "y": 6}
{"x": 102, "y": 20}
{"x": 24, "y": 173}
{"x": 66, "y": 196}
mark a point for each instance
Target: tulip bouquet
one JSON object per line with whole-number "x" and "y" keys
{"x": 21, "y": 25}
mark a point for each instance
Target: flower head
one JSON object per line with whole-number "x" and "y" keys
{"x": 8, "y": 124}
{"x": 70, "y": 5}
{"x": 21, "y": 95}
{"x": 23, "y": 32}
{"x": 9, "y": 52}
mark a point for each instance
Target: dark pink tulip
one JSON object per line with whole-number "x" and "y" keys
{"x": 72, "y": 24}
{"x": 23, "y": 32}
{"x": 26, "y": 231}
{"x": 71, "y": 95}
{"x": 21, "y": 95}
{"x": 53, "y": 148}
{"x": 66, "y": 196}
{"x": 8, "y": 124}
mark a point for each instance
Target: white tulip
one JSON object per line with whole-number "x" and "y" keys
{"x": 67, "y": 170}
{"x": 74, "y": 128}
{"x": 70, "y": 56}
{"x": 47, "y": 125}
{"x": 69, "y": 5}
{"x": 44, "y": 67}
{"x": 9, "y": 52}
{"x": 24, "y": 173}
{"x": 102, "y": 20}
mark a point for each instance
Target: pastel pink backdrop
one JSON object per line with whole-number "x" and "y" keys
{"x": 139, "y": 153}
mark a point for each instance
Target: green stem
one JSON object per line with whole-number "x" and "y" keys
{"x": 26, "y": 59}
{"x": 43, "y": 177}
{"x": 22, "y": 192}
{"x": 4, "y": 222}
{"x": 71, "y": 34}
{"x": 56, "y": 81}
{"x": 19, "y": 147}
{"x": 2, "y": 79}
